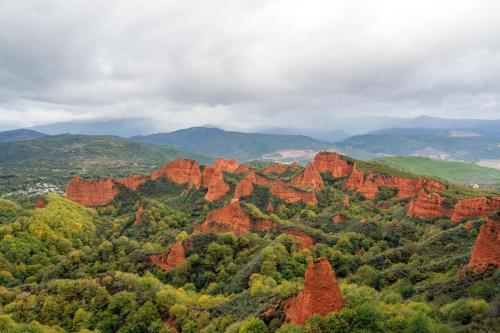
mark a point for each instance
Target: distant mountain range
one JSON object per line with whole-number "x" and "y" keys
{"x": 19, "y": 135}
{"x": 242, "y": 146}
{"x": 55, "y": 159}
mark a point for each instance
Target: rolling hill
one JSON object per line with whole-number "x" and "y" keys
{"x": 465, "y": 173}
{"x": 434, "y": 143}
{"x": 55, "y": 159}
{"x": 20, "y": 135}
{"x": 242, "y": 146}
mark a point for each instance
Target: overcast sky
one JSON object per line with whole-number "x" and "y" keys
{"x": 247, "y": 63}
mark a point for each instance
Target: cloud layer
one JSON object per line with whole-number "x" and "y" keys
{"x": 247, "y": 63}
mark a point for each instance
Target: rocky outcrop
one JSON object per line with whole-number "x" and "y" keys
{"x": 180, "y": 171}
{"x": 364, "y": 184}
{"x": 474, "y": 207}
{"x": 308, "y": 178}
{"x": 346, "y": 201}
{"x": 333, "y": 163}
{"x": 291, "y": 194}
{"x": 337, "y": 219}
{"x": 321, "y": 294}
{"x": 408, "y": 187}
{"x": 427, "y": 205}
{"x": 217, "y": 187}
{"x": 223, "y": 165}
{"x": 275, "y": 168}
{"x": 230, "y": 218}
{"x": 39, "y": 203}
{"x": 245, "y": 187}
{"x": 132, "y": 182}
{"x": 305, "y": 241}
{"x": 169, "y": 259}
{"x": 486, "y": 251}
{"x": 138, "y": 215}
{"x": 264, "y": 225}
{"x": 91, "y": 192}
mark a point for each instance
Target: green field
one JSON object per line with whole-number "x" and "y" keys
{"x": 465, "y": 173}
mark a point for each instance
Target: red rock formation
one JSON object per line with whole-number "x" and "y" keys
{"x": 333, "y": 163}
{"x": 39, "y": 203}
{"x": 409, "y": 186}
{"x": 264, "y": 225}
{"x": 171, "y": 258}
{"x": 225, "y": 166}
{"x": 346, "y": 201}
{"x": 309, "y": 178}
{"x": 321, "y": 294}
{"x": 91, "y": 192}
{"x": 230, "y": 218}
{"x": 305, "y": 241}
{"x": 138, "y": 215}
{"x": 275, "y": 168}
{"x": 474, "y": 207}
{"x": 180, "y": 171}
{"x": 217, "y": 187}
{"x": 132, "y": 182}
{"x": 208, "y": 171}
{"x": 245, "y": 187}
{"x": 242, "y": 169}
{"x": 427, "y": 205}
{"x": 364, "y": 184}
{"x": 337, "y": 219}
{"x": 290, "y": 194}
{"x": 486, "y": 251}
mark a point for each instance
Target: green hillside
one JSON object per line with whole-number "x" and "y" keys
{"x": 67, "y": 268}
{"x": 465, "y": 173}
{"x": 229, "y": 144}
{"x": 55, "y": 159}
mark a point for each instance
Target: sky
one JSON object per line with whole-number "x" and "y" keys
{"x": 242, "y": 64}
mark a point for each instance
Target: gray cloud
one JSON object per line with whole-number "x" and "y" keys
{"x": 247, "y": 63}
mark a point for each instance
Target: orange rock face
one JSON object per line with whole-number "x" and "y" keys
{"x": 264, "y": 225}
{"x": 309, "y": 178}
{"x": 486, "y": 251}
{"x": 364, "y": 184}
{"x": 305, "y": 241}
{"x": 346, "y": 201}
{"x": 245, "y": 187}
{"x": 333, "y": 163}
{"x": 474, "y": 207}
{"x": 321, "y": 294}
{"x": 171, "y": 258}
{"x": 181, "y": 171}
{"x": 91, "y": 192}
{"x": 132, "y": 182}
{"x": 39, "y": 203}
{"x": 427, "y": 205}
{"x": 138, "y": 215}
{"x": 275, "y": 168}
{"x": 290, "y": 194}
{"x": 217, "y": 187}
{"x": 230, "y": 218}
{"x": 337, "y": 219}
{"x": 409, "y": 186}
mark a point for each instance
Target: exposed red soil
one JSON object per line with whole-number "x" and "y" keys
{"x": 230, "y": 218}
{"x": 138, "y": 215}
{"x": 364, "y": 184}
{"x": 91, "y": 192}
{"x": 337, "y": 219}
{"x": 39, "y": 203}
{"x": 167, "y": 260}
{"x": 305, "y": 241}
{"x": 308, "y": 178}
{"x": 180, "y": 171}
{"x": 133, "y": 181}
{"x": 321, "y": 294}
{"x": 217, "y": 187}
{"x": 486, "y": 251}
{"x": 427, "y": 205}
{"x": 474, "y": 207}
{"x": 333, "y": 163}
